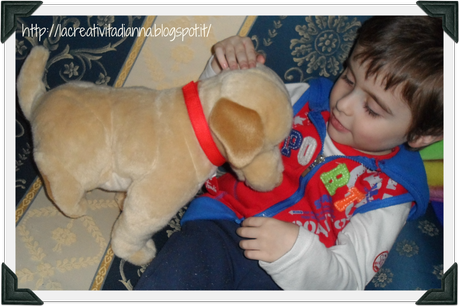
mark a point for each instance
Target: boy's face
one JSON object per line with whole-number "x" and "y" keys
{"x": 365, "y": 116}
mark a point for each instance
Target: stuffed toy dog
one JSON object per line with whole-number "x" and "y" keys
{"x": 160, "y": 146}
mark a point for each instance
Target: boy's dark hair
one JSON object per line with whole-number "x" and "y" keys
{"x": 409, "y": 51}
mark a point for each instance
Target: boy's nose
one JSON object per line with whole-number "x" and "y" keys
{"x": 345, "y": 104}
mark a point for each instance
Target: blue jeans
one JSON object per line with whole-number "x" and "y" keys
{"x": 204, "y": 255}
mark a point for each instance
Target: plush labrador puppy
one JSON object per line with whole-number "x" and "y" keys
{"x": 143, "y": 141}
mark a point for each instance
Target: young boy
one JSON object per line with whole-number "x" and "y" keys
{"x": 351, "y": 180}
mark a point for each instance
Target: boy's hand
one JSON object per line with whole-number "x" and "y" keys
{"x": 235, "y": 52}
{"x": 269, "y": 238}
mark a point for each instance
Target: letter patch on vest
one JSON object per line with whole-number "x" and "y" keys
{"x": 307, "y": 150}
{"x": 293, "y": 142}
{"x": 353, "y": 195}
{"x": 335, "y": 178}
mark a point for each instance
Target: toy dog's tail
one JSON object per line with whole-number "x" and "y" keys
{"x": 30, "y": 83}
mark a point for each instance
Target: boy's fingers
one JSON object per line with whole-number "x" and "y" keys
{"x": 250, "y": 52}
{"x": 255, "y": 255}
{"x": 260, "y": 58}
{"x": 253, "y": 221}
{"x": 249, "y": 244}
{"x": 237, "y": 53}
{"x": 221, "y": 58}
{"x": 247, "y": 232}
{"x": 230, "y": 55}
{"x": 242, "y": 60}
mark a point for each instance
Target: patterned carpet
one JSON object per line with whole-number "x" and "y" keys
{"x": 57, "y": 253}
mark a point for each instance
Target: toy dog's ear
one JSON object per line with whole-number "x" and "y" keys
{"x": 239, "y": 129}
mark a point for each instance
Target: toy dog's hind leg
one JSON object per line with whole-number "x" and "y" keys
{"x": 119, "y": 199}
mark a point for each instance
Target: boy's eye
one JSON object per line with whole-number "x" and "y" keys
{"x": 370, "y": 111}
{"x": 346, "y": 79}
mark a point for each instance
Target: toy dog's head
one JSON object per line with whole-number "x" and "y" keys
{"x": 251, "y": 116}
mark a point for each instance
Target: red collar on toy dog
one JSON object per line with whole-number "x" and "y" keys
{"x": 199, "y": 123}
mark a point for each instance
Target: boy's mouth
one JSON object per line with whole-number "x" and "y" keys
{"x": 336, "y": 124}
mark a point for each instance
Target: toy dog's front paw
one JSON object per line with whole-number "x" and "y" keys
{"x": 143, "y": 256}
{"x": 138, "y": 258}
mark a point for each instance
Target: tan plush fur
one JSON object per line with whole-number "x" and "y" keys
{"x": 141, "y": 141}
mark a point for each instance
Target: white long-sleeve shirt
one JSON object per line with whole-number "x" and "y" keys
{"x": 360, "y": 249}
